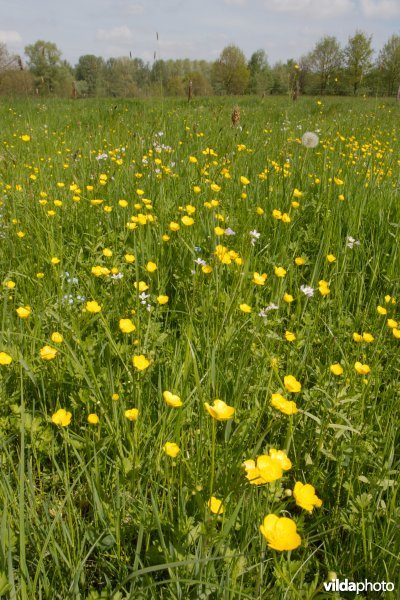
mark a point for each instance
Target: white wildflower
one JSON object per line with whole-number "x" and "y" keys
{"x": 307, "y": 290}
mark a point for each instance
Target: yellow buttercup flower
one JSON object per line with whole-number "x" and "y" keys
{"x": 305, "y": 496}
{"x": 140, "y": 362}
{"x": 151, "y": 267}
{"x": 56, "y": 337}
{"x": 368, "y": 337}
{"x": 172, "y": 399}
{"x": 23, "y": 312}
{"x": 392, "y": 323}
{"x": 277, "y": 214}
{"x": 336, "y": 369}
{"x": 287, "y": 407}
{"x": 287, "y": 298}
{"x": 297, "y": 193}
{"x": 245, "y": 308}
{"x": 93, "y": 419}
{"x": 55, "y": 260}
{"x": 129, "y": 258}
{"x": 323, "y": 287}
{"x": 267, "y": 468}
{"x": 291, "y": 384}
{"x": 141, "y": 286}
{"x": 220, "y": 410}
{"x": 99, "y": 271}
{"x": 357, "y": 337}
{"x": 331, "y": 258}
{"x": 381, "y": 310}
{"x": 62, "y": 417}
{"x": 93, "y": 307}
{"x": 280, "y": 271}
{"x": 244, "y": 180}
{"x": 259, "y": 279}
{"x": 215, "y": 506}
{"x": 10, "y": 285}
{"x": 126, "y": 326}
{"x": 280, "y": 533}
{"x": 5, "y": 359}
{"x": 162, "y": 299}
{"x": 48, "y": 353}
{"x": 396, "y": 333}
{"x": 188, "y": 221}
{"x": 174, "y": 226}
{"x": 289, "y": 336}
{"x": 171, "y": 449}
{"x": 299, "y": 261}
{"x": 131, "y": 414}
{"x": 362, "y": 369}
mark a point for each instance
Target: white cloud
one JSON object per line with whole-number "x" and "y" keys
{"x": 236, "y": 2}
{"x": 116, "y": 34}
{"x": 319, "y": 9}
{"x": 384, "y": 9}
{"x": 134, "y": 9}
{"x": 10, "y": 37}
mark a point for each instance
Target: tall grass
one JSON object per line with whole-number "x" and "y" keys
{"x": 100, "y": 511}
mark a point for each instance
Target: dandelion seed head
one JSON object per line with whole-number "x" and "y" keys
{"x": 310, "y": 139}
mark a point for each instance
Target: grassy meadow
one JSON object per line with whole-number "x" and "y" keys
{"x": 155, "y": 259}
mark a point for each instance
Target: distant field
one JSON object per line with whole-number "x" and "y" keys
{"x": 154, "y": 259}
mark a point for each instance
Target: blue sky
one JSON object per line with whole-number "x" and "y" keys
{"x": 192, "y": 28}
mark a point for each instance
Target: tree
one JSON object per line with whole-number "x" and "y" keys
{"x": 357, "y": 54}
{"x": 90, "y": 69}
{"x": 389, "y": 64}
{"x": 14, "y": 81}
{"x": 325, "y": 61}
{"x": 7, "y": 61}
{"x": 120, "y": 77}
{"x": 260, "y": 73}
{"x": 52, "y": 75}
{"x": 201, "y": 85}
{"x": 230, "y": 74}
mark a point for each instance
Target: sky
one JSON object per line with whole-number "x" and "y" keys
{"x": 195, "y": 29}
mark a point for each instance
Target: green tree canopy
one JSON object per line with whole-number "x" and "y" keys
{"x": 90, "y": 69}
{"x": 357, "y": 55}
{"x": 260, "y": 73}
{"x": 230, "y": 74}
{"x": 389, "y": 64}
{"x": 52, "y": 75}
{"x": 325, "y": 61}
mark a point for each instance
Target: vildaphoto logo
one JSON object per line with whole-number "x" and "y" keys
{"x": 336, "y": 585}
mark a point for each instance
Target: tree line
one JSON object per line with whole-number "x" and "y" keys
{"x": 328, "y": 69}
